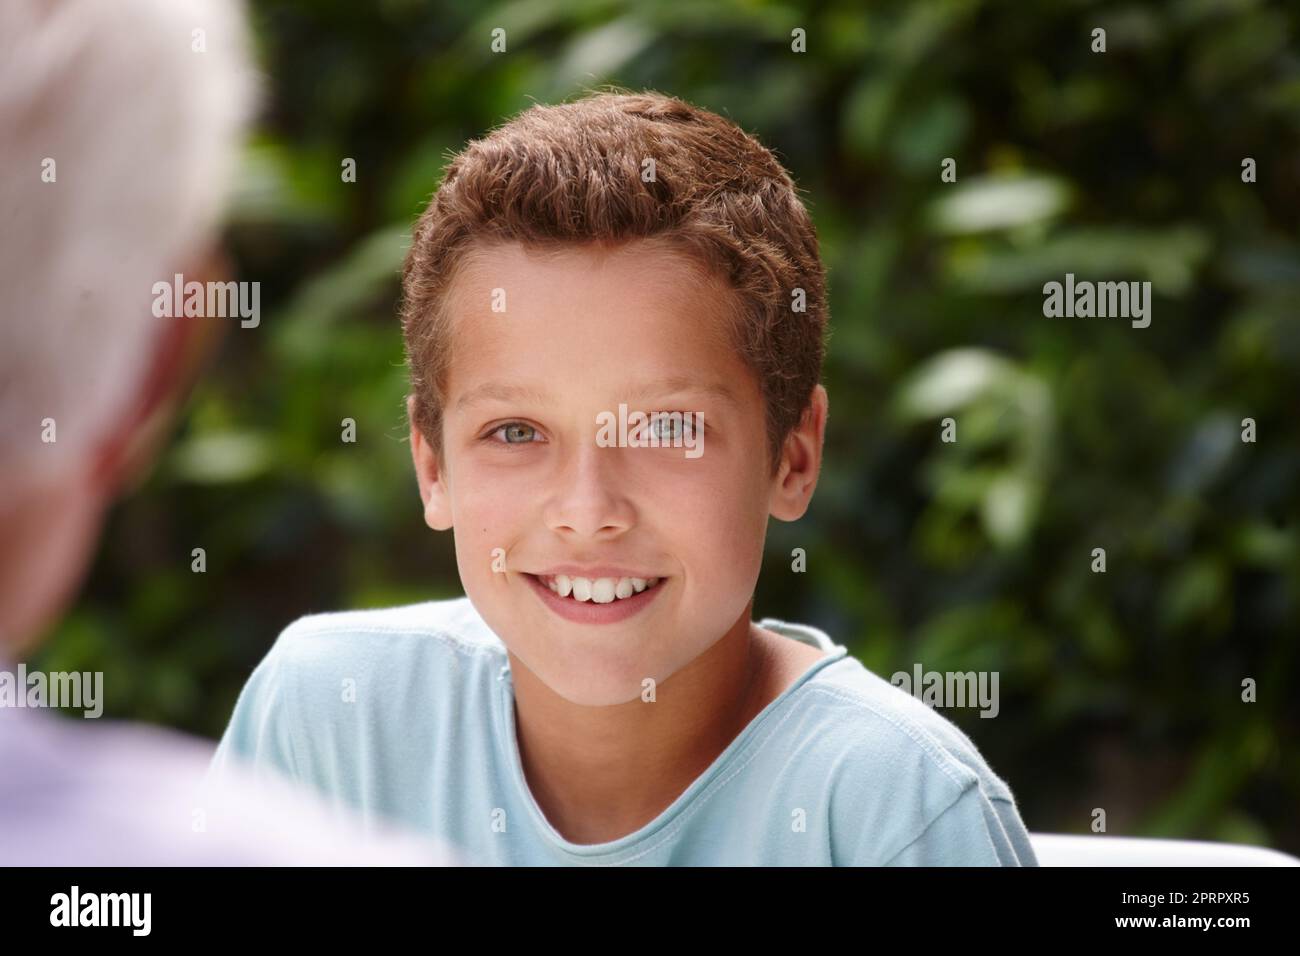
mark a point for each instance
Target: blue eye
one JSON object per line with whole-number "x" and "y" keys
{"x": 678, "y": 426}
{"x": 516, "y": 433}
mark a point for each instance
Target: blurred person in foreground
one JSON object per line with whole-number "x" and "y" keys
{"x": 119, "y": 126}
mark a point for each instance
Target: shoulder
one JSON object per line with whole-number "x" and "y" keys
{"x": 893, "y": 765}
{"x": 338, "y": 694}
{"x": 414, "y": 662}
{"x": 396, "y": 640}
{"x": 878, "y": 721}
{"x": 137, "y": 795}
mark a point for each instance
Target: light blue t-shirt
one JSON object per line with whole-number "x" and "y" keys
{"x": 407, "y": 715}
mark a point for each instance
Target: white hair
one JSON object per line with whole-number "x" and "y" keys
{"x": 139, "y": 129}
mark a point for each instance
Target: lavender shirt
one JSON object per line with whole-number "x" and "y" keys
{"x": 76, "y": 792}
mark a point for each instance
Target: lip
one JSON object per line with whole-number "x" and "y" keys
{"x": 592, "y": 573}
{"x": 589, "y": 612}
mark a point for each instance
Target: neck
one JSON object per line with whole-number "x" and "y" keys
{"x": 599, "y": 773}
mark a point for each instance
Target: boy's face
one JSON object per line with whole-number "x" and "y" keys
{"x": 531, "y": 492}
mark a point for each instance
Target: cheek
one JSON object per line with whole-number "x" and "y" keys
{"x": 480, "y": 525}
{"x": 718, "y": 523}
{"x": 494, "y": 514}
{"x": 482, "y": 496}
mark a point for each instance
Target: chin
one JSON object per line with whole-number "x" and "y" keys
{"x": 593, "y": 681}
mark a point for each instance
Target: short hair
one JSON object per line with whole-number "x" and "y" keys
{"x": 140, "y": 115}
{"x": 573, "y": 174}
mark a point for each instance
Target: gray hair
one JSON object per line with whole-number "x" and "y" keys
{"x": 119, "y": 129}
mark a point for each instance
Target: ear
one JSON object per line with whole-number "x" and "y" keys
{"x": 801, "y": 459}
{"x": 429, "y": 475}
{"x": 180, "y": 350}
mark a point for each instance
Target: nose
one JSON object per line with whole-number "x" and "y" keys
{"x": 587, "y": 499}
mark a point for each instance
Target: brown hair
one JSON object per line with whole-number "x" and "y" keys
{"x": 572, "y": 174}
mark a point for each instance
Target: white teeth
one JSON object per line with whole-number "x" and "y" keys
{"x": 598, "y": 590}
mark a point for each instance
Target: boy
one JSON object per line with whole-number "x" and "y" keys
{"x": 601, "y": 695}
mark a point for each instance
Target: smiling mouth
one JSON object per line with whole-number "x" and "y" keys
{"x": 595, "y": 590}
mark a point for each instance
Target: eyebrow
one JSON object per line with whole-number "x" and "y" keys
{"x": 502, "y": 392}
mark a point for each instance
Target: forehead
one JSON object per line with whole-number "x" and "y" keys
{"x": 595, "y": 315}
{"x": 645, "y": 274}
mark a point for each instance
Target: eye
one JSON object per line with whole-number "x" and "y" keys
{"x": 515, "y": 433}
{"x": 671, "y": 426}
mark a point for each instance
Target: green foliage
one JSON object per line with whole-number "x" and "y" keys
{"x": 1120, "y": 690}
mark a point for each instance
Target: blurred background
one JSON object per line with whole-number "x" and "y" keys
{"x": 1120, "y": 690}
